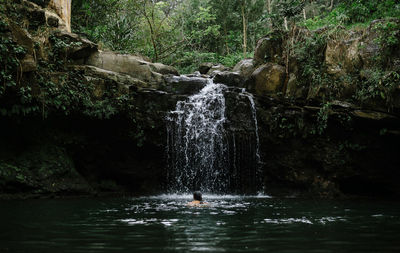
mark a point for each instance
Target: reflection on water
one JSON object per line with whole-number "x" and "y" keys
{"x": 230, "y": 224}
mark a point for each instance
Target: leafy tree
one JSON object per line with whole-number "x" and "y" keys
{"x": 159, "y": 21}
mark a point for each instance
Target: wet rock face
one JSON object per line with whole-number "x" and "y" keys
{"x": 245, "y": 67}
{"x": 238, "y": 111}
{"x": 352, "y": 156}
{"x": 39, "y": 168}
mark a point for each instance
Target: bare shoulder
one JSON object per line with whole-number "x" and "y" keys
{"x": 198, "y": 203}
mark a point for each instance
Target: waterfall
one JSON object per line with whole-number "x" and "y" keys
{"x": 254, "y": 114}
{"x": 196, "y": 142}
{"x": 203, "y": 154}
{"x": 256, "y": 166}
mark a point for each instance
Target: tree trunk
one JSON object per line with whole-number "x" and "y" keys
{"x": 304, "y": 13}
{"x": 244, "y": 32}
{"x": 226, "y": 37}
{"x": 331, "y": 6}
{"x": 285, "y": 23}
{"x": 269, "y": 6}
{"x": 153, "y": 38}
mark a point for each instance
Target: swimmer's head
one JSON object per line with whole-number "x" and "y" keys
{"x": 197, "y": 196}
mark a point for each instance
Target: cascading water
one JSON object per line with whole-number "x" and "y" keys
{"x": 202, "y": 154}
{"x": 254, "y": 114}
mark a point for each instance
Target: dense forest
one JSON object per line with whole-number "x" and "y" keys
{"x": 185, "y": 33}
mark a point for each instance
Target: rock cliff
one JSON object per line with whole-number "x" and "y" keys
{"x": 328, "y": 108}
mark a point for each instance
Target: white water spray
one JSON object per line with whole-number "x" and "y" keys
{"x": 196, "y": 141}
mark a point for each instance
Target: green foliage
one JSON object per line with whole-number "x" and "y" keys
{"x": 70, "y": 94}
{"x": 379, "y": 85}
{"x": 10, "y": 172}
{"x": 349, "y": 146}
{"x": 309, "y": 52}
{"x": 298, "y": 124}
{"x": 10, "y": 54}
{"x": 338, "y": 16}
{"x": 388, "y": 40}
{"x": 60, "y": 48}
{"x": 287, "y": 126}
{"x": 359, "y": 12}
{"x": 290, "y": 8}
{"x": 204, "y": 28}
{"x": 322, "y": 119}
{"x": 390, "y": 33}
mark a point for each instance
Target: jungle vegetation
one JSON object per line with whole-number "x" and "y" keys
{"x": 184, "y": 33}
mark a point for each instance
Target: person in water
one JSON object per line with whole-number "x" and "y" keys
{"x": 197, "y": 200}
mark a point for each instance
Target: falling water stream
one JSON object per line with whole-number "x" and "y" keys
{"x": 199, "y": 155}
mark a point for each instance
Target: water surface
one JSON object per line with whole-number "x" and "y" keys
{"x": 230, "y": 224}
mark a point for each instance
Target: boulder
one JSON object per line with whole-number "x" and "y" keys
{"x": 98, "y": 75}
{"x": 356, "y": 50}
{"x": 163, "y": 69}
{"x": 229, "y": 78}
{"x": 205, "y": 67}
{"x": 184, "y": 85}
{"x": 219, "y": 67}
{"x": 293, "y": 89}
{"x": 268, "y": 79}
{"x": 132, "y": 65}
{"x": 343, "y": 56}
{"x": 245, "y": 67}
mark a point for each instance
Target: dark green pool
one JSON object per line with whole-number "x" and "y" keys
{"x": 230, "y": 224}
